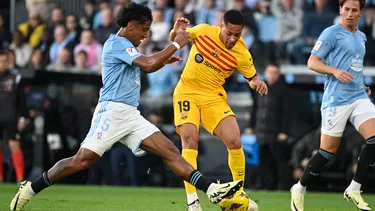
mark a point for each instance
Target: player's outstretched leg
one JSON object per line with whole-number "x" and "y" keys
{"x": 366, "y": 158}
{"x": 189, "y": 138}
{"x": 328, "y": 147}
{"x": 229, "y": 132}
{"x": 82, "y": 160}
{"x": 159, "y": 145}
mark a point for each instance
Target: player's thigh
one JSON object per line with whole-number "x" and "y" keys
{"x": 160, "y": 146}
{"x": 363, "y": 118}
{"x": 111, "y": 122}
{"x": 212, "y": 113}
{"x": 334, "y": 120}
{"x": 186, "y": 111}
{"x": 229, "y": 132}
{"x": 141, "y": 131}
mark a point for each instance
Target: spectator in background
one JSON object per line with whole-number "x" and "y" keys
{"x": 12, "y": 59}
{"x": 63, "y": 62}
{"x": 249, "y": 16}
{"x": 106, "y": 28}
{"x": 80, "y": 62}
{"x": 74, "y": 29}
{"x": 44, "y": 7}
{"x": 61, "y": 41}
{"x": 57, "y": 19}
{"x": 87, "y": 19}
{"x": 91, "y": 47}
{"x": 163, "y": 5}
{"x": 32, "y": 29}
{"x": 368, "y": 27}
{"x": 5, "y": 36}
{"x": 159, "y": 28}
{"x": 98, "y": 18}
{"x": 12, "y": 108}
{"x": 45, "y": 45}
{"x": 270, "y": 122}
{"x": 36, "y": 61}
{"x": 208, "y": 13}
{"x": 314, "y": 23}
{"x": 251, "y": 149}
{"x": 289, "y": 15}
{"x": 188, "y": 8}
{"x": 22, "y": 50}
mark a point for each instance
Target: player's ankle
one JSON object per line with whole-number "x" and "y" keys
{"x": 298, "y": 188}
{"x": 192, "y": 197}
{"x": 354, "y": 186}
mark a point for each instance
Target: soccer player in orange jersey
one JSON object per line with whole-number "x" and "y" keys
{"x": 199, "y": 97}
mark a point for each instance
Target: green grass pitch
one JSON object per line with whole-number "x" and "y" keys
{"x": 93, "y": 198}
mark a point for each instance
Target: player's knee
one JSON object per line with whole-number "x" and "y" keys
{"x": 189, "y": 140}
{"x": 14, "y": 146}
{"x": 233, "y": 142}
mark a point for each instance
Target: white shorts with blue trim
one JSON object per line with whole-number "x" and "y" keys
{"x": 334, "y": 119}
{"x": 117, "y": 122}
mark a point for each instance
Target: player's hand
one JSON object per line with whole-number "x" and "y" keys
{"x": 180, "y": 24}
{"x": 182, "y": 38}
{"x": 282, "y": 137}
{"x": 343, "y": 76}
{"x": 173, "y": 59}
{"x": 259, "y": 86}
{"x": 368, "y": 90}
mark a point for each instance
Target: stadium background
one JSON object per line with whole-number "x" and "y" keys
{"x": 62, "y": 84}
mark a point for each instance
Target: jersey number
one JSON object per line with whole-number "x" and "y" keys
{"x": 184, "y": 105}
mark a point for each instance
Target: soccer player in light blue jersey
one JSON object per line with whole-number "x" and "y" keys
{"x": 339, "y": 54}
{"x": 116, "y": 118}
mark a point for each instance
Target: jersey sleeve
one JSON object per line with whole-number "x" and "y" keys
{"x": 124, "y": 52}
{"x": 324, "y": 44}
{"x": 197, "y": 30}
{"x": 246, "y": 66}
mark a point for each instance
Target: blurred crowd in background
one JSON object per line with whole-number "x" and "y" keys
{"x": 279, "y": 136}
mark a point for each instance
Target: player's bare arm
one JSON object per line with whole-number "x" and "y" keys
{"x": 149, "y": 64}
{"x": 180, "y": 25}
{"x": 314, "y": 63}
{"x": 258, "y": 85}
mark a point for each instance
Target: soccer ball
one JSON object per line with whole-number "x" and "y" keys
{"x": 238, "y": 202}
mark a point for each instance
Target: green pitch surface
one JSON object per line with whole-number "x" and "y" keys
{"x": 89, "y": 198}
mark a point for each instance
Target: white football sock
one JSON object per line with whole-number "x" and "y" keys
{"x": 354, "y": 186}
{"x": 191, "y": 197}
{"x": 299, "y": 188}
{"x": 30, "y": 190}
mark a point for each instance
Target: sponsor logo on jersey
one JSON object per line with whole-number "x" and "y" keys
{"x": 356, "y": 63}
{"x": 216, "y": 53}
{"x": 209, "y": 65}
{"x": 131, "y": 51}
{"x": 317, "y": 46}
{"x": 184, "y": 116}
{"x": 199, "y": 58}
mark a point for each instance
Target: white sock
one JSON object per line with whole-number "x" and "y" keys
{"x": 191, "y": 197}
{"x": 213, "y": 185}
{"x": 354, "y": 186}
{"x": 299, "y": 188}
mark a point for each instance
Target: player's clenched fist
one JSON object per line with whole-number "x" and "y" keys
{"x": 182, "y": 38}
{"x": 258, "y": 85}
{"x": 343, "y": 76}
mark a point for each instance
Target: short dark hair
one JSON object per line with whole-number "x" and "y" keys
{"x": 362, "y": 3}
{"x": 234, "y": 17}
{"x": 133, "y": 12}
{"x": 274, "y": 63}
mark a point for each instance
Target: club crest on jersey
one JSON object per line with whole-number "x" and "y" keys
{"x": 199, "y": 58}
{"x": 184, "y": 116}
{"x": 99, "y": 136}
{"x": 216, "y": 53}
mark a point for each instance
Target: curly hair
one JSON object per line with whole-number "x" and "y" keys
{"x": 133, "y": 12}
{"x": 362, "y": 3}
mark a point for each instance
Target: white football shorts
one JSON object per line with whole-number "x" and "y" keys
{"x": 334, "y": 119}
{"x": 117, "y": 122}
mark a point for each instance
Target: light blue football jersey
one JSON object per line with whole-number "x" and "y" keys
{"x": 121, "y": 79}
{"x": 345, "y": 50}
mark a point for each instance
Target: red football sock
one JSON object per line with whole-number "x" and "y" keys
{"x": 18, "y": 163}
{"x": 1, "y": 167}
